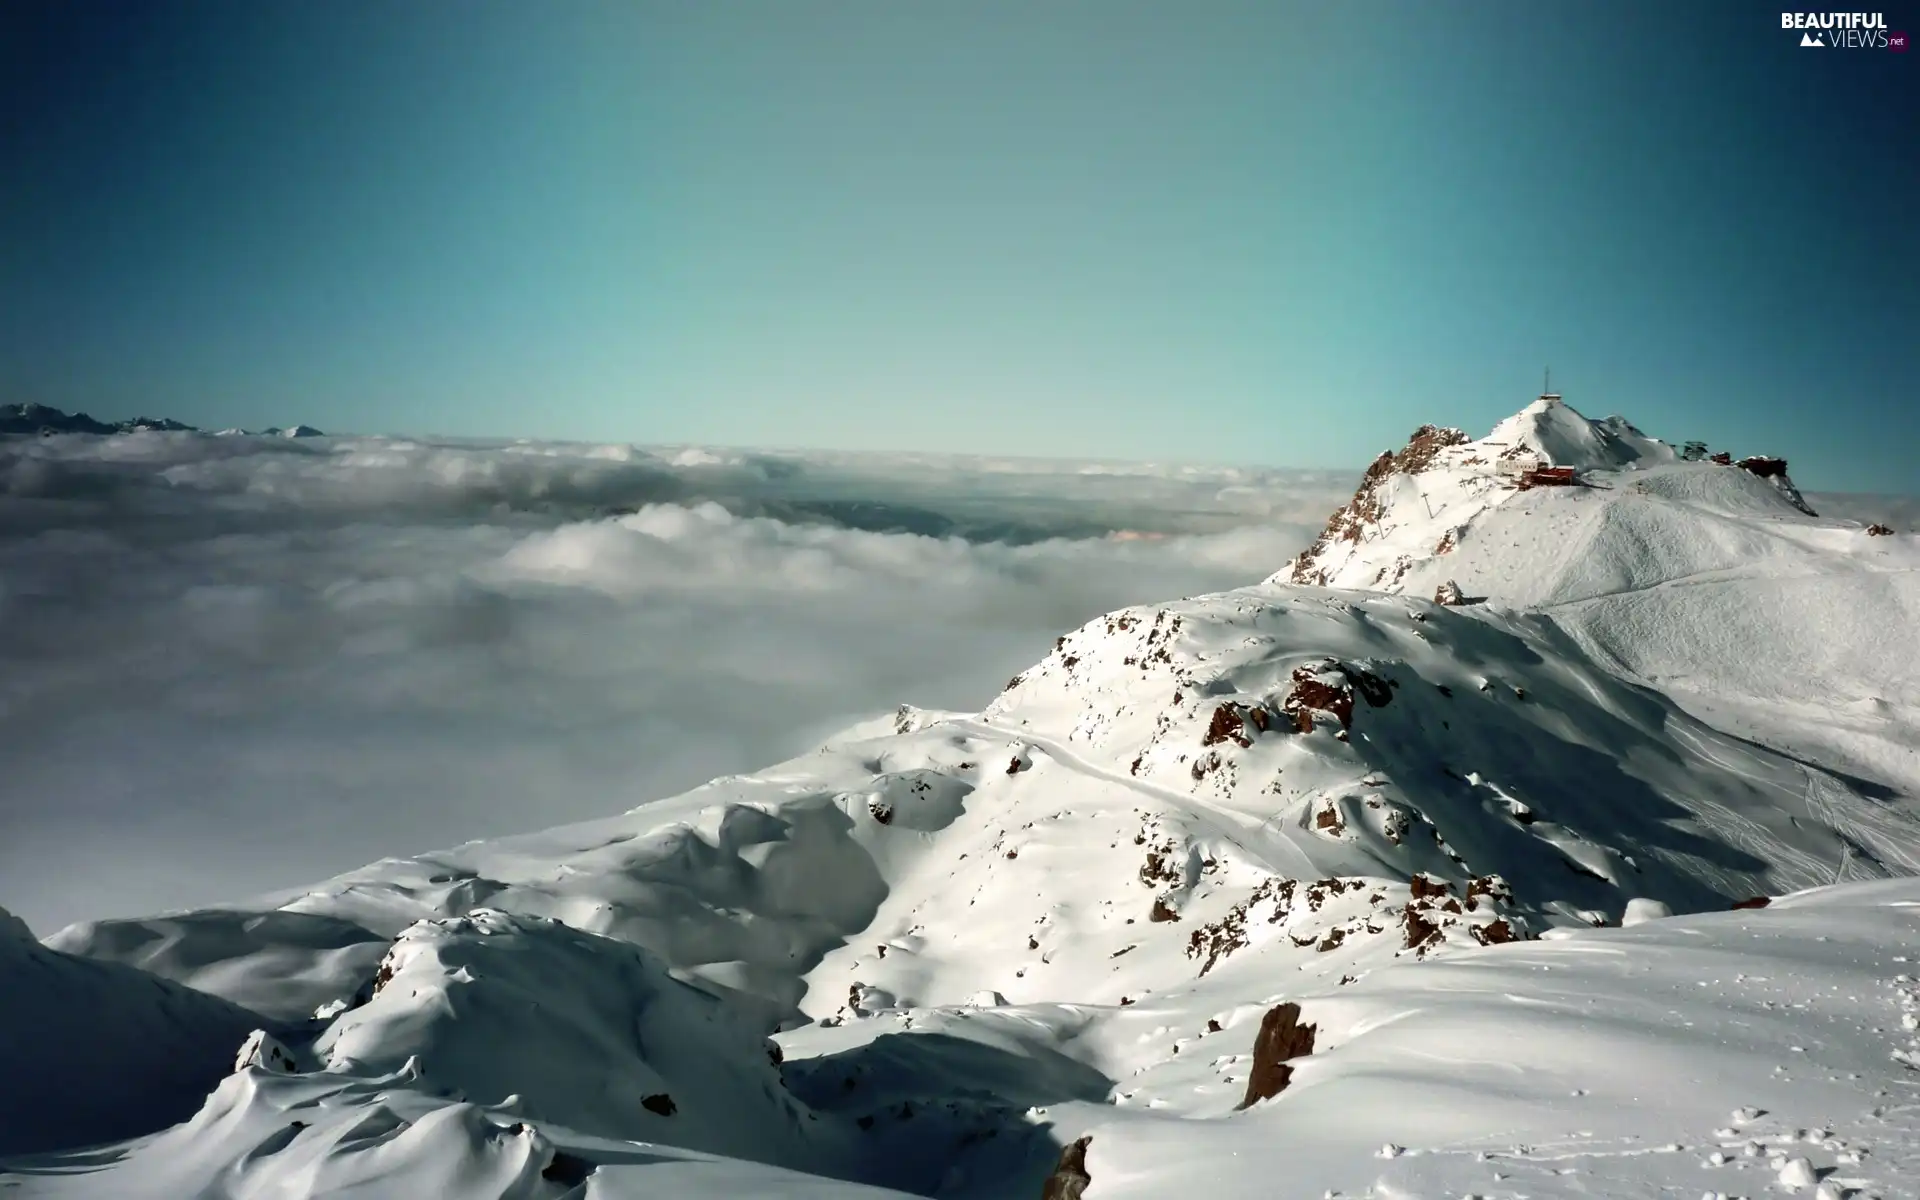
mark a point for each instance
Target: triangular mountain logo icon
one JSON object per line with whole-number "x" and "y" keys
{"x": 1807, "y": 39}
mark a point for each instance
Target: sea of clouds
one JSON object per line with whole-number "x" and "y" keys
{"x": 234, "y": 664}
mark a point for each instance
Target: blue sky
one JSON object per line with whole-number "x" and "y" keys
{"x": 1263, "y": 232}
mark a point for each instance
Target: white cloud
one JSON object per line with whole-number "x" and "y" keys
{"x": 1898, "y": 513}
{"x": 234, "y": 664}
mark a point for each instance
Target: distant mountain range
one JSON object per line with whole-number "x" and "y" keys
{"x": 44, "y": 421}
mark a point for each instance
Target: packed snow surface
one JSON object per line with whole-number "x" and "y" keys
{"x": 1602, "y": 882}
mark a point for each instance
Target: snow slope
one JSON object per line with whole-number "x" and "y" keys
{"x": 97, "y": 1051}
{"x": 1737, "y": 1054}
{"x": 977, "y": 938}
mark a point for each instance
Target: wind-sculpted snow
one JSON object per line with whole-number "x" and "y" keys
{"x": 588, "y": 1033}
{"x": 322, "y": 1135}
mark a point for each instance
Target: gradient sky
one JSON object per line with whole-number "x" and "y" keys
{"x": 1263, "y": 232}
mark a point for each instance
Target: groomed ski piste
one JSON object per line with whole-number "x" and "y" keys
{"x": 1598, "y": 879}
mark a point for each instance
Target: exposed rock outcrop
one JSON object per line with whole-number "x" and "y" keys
{"x": 1069, "y": 1179}
{"x": 1282, "y": 1039}
{"x": 1350, "y": 522}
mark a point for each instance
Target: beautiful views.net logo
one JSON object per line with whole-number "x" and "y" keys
{"x": 1849, "y": 31}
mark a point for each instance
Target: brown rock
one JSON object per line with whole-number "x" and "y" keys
{"x": 1419, "y": 930}
{"x": 1227, "y": 725}
{"x": 1330, "y": 688}
{"x": 1069, "y": 1179}
{"x": 1491, "y": 886}
{"x": 1753, "y": 902}
{"x": 1351, "y": 522}
{"x": 1493, "y": 934}
{"x": 1282, "y": 1038}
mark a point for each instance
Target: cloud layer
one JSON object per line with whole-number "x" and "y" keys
{"x": 235, "y": 664}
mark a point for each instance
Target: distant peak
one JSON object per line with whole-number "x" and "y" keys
{"x": 39, "y": 419}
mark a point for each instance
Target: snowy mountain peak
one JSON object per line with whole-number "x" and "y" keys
{"x": 1547, "y": 493}
{"x": 44, "y": 421}
{"x": 1557, "y": 435}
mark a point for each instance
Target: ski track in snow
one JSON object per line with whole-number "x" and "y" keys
{"x": 1254, "y": 834}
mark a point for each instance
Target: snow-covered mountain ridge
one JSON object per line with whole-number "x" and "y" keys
{"x": 45, "y": 421}
{"x": 1712, "y": 581}
{"x": 977, "y": 938}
